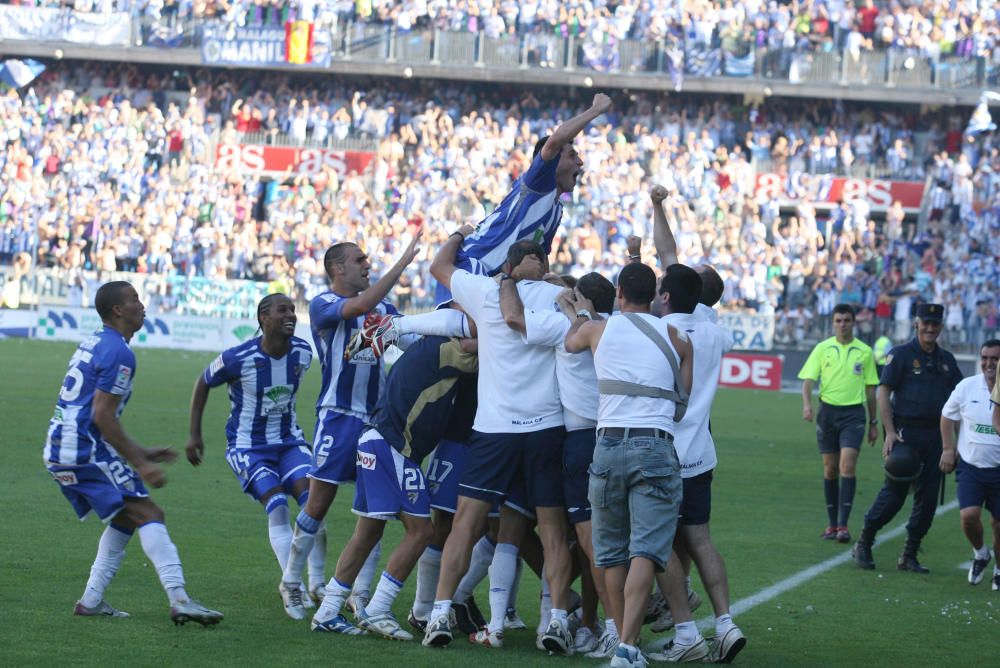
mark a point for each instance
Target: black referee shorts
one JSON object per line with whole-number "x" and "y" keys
{"x": 839, "y": 427}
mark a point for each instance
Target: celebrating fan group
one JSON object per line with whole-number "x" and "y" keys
{"x": 590, "y": 455}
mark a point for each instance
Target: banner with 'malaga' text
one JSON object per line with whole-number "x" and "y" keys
{"x": 228, "y": 44}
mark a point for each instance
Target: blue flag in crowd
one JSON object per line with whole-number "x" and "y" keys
{"x": 19, "y": 73}
{"x": 739, "y": 67}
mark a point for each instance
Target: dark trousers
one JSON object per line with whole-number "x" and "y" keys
{"x": 893, "y": 494}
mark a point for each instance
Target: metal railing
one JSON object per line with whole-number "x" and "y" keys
{"x": 367, "y": 42}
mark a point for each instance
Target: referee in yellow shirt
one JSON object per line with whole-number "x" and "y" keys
{"x": 845, "y": 369}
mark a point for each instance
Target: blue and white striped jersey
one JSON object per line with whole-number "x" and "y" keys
{"x": 262, "y": 391}
{"x": 349, "y": 386}
{"x": 103, "y": 362}
{"x": 530, "y": 211}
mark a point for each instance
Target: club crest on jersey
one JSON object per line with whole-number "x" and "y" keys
{"x": 366, "y": 460}
{"x": 276, "y": 399}
{"x": 64, "y": 478}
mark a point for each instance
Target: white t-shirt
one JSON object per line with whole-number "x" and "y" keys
{"x": 575, "y": 372}
{"x": 708, "y": 313}
{"x": 692, "y": 438}
{"x": 969, "y": 403}
{"x": 625, "y": 353}
{"x": 517, "y": 382}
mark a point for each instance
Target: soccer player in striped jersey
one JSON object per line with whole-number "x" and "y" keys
{"x": 531, "y": 210}
{"x": 266, "y": 448}
{"x": 413, "y": 415}
{"x": 102, "y": 469}
{"x": 350, "y": 388}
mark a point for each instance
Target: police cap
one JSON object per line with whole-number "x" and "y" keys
{"x": 932, "y": 312}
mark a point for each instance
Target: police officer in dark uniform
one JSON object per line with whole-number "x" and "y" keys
{"x": 918, "y": 378}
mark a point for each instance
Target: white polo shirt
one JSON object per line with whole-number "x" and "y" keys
{"x": 692, "y": 438}
{"x": 969, "y": 403}
{"x": 518, "y": 392}
{"x": 575, "y": 372}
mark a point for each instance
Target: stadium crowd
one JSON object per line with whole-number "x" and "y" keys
{"x": 101, "y": 170}
{"x": 932, "y": 28}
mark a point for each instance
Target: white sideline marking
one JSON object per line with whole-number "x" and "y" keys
{"x": 764, "y": 595}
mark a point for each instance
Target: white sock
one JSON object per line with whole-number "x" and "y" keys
{"x": 443, "y": 322}
{"x": 317, "y": 560}
{"x": 609, "y": 627}
{"x": 303, "y": 539}
{"x": 479, "y": 568}
{"x": 545, "y": 607}
{"x": 363, "y": 583}
{"x": 502, "y": 573}
{"x": 512, "y": 599}
{"x": 722, "y": 624}
{"x": 687, "y": 633}
{"x": 333, "y": 600}
{"x": 385, "y": 594}
{"x": 557, "y": 615}
{"x": 428, "y": 571}
{"x": 162, "y": 552}
{"x": 278, "y": 529}
{"x": 982, "y": 553}
{"x": 110, "y": 553}
{"x": 442, "y": 607}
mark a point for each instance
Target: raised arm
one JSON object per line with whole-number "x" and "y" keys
{"x": 443, "y": 265}
{"x": 375, "y": 293}
{"x": 511, "y": 305}
{"x": 663, "y": 237}
{"x": 195, "y": 448}
{"x": 683, "y": 345}
{"x": 567, "y": 131}
{"x": 584, "y": 334}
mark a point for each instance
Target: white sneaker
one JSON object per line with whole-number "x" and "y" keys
{"x": 584, "y": 641}
{"x": 512, "y": 621}
{"x": 624, "y": 659}
{"x": 675, "y": 653}
{"x": 102, "y": 609}
{"x": 316, "y": 593}
{"x": 356, "y": 604}
{"x": 384, "y": 625}
{"x": 291, "y": 596}
{"x": 193, "y": 611}
{"x": 438, "y": 632}
{"x": 606, "y": 646}
{"x": 665, "y": 621}
{"x": 724, "y": 650}
{"x": 557, "y": 638}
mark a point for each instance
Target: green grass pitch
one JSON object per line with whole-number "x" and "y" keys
{"x": 767, "y": 516}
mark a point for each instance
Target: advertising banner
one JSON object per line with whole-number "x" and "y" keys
{"x": 751, "y": 331}
{"x": 791, "y": 189}
{"x": 276, "y": 160}
{"x": 755, "y": 372}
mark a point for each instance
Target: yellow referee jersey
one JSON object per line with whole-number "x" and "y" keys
{"x": 843, "y": 371}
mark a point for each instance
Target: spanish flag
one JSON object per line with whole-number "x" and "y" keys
{"x": 298, "y": 42}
